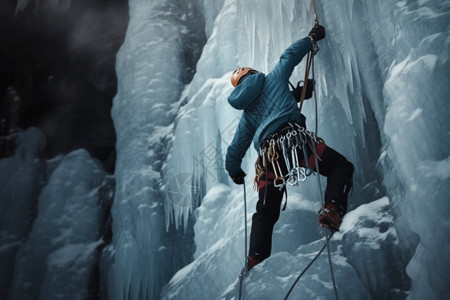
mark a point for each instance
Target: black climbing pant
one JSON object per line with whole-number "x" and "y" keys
{"x": 338, "y": 171}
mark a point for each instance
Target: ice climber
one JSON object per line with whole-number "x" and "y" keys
{"x": 273, "y": 121}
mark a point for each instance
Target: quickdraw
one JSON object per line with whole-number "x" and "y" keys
{"x": 279, "y": 181}
{"x": 298, "y": 173}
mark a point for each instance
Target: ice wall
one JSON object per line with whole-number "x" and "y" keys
{"x": 381, "y": 83}
{"x": 51, "y": 222}
{"x": 162, "y": 44}
{"x": 58, "y": 257}
{"x": 417, "y": 149}
{"x": 21, "y": 179}
{"x": 382, "y": 77}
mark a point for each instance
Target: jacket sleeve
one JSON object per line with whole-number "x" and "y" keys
{"x": 291, "y": 57}
{"x": 239, "y": 146}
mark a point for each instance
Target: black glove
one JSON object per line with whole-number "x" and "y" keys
{"x": 317, "y": 33}
{"x": 297, "y": 91}
{"x": 239, "y": 177}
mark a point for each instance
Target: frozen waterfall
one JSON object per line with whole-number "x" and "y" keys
{"x": 382, "y": 76}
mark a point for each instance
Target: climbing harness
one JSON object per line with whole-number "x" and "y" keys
{"x": 241, "y": 274}
{"x": 284, "y": 146}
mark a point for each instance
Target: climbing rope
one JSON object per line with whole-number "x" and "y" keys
{"x": 331, "y": 267}
{"x": 245, "y": 219}
{"x": 309, "y": 62}
{"x": 319, "y": 188}
{"x": 241, "y": 275}
{"x": 307, "y": 267}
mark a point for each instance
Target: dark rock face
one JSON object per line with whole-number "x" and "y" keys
{"x": 57, "y": 73}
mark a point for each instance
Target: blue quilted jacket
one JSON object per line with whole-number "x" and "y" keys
{"x": 267, "y": 104}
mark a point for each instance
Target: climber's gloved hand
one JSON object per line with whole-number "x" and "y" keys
{"x": 317, "y": 33}
{"x": 297, "y": 92}
{"x": 239, "y": 177}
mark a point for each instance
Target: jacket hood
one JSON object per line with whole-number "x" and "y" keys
{"x": 247, "y": 91}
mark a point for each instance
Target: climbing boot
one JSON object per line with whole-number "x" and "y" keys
{"x": 331, "y": 217}
{"x": 251, "y": 262}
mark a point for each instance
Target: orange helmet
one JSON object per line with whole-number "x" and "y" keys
{"x": 239, "y": 73}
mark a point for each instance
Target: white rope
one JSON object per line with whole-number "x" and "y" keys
{"x": 241, "y": 276}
